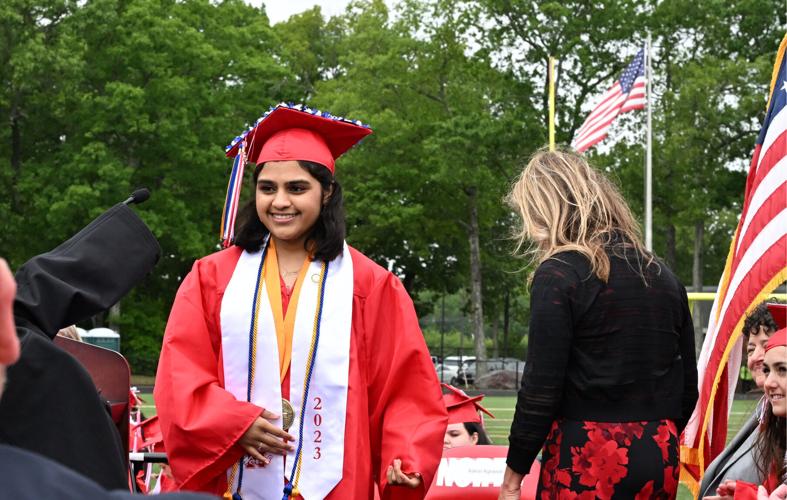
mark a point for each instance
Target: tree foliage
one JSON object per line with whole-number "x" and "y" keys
{"x": 99, "y": 97}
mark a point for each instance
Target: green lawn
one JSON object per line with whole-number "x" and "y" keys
{"x": 503, "y": 409}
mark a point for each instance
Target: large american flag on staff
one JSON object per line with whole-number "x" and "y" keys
{"x": 756, "y": 265}
{"x": 628, "y": 93}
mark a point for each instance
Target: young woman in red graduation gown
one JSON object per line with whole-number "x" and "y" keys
{"x": 292, "y": 365}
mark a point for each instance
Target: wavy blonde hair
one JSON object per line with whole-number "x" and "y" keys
{"x": 566, "y": 204}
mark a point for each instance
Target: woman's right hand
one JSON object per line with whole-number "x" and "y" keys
{"x": 264, "y": 437}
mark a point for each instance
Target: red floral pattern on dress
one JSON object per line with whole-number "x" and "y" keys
{"x": 671, "y": 481}
{"x": 589, "y": 460}
{"x": 600, "y": 463}
{"x": 646, "y": 493}
{"x": 621, "y": 433}
{"x": 662, "y": 438}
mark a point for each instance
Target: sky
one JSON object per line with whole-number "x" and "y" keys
{"x": 281, "y": 10}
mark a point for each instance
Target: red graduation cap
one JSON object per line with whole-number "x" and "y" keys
{"x": 297, "y": 132}
{"x": 779, "y": 313}
{"x": 461, "y": 407}
{"x": 287, "y": 132}
{"x": 777, "y": 339}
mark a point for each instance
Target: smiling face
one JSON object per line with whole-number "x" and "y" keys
{"x": 775, "y": 370}
{"x": 755, "y": 353}
{"x": 288, "y": 201}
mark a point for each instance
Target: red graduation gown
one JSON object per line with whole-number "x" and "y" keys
{"x": 394, "y": 403}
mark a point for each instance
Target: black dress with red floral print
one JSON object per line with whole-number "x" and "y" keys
{"x": 604, "y": 460}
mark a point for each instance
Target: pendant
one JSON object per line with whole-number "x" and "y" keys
{"x": 287, "y": 414}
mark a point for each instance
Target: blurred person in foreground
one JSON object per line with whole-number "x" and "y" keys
{"x": 27, "y": 474}
{"x": 611, "y": 377}
{"x": 51, "y": 405}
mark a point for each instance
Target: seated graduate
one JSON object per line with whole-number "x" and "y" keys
{"x": 771, "y": 442}
{"x": 465, "y": 421}
{"x": 29, "y": 475}
{"x": 51, "y": 405}
{"x": 737, "y": 461}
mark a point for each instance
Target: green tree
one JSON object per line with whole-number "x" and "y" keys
{"x": 160, "y": 87}
{"x": 425, "y": 192}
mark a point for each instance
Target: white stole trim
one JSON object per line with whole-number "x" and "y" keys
{"x": 323, "y": 431}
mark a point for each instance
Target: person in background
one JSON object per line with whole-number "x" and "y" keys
{"x": 737, "y": 461}
{"x": 70, "y": 332}
{"x": 611, "y": 376}
{"x": 769, "y": 449}
{"x": 465, "y": 421}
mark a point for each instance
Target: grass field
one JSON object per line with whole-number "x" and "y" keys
{"x": 503, "y": 409}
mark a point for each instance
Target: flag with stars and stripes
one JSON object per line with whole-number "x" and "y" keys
{"x": 627, "y": 94}
{"x": 756, "y": 265}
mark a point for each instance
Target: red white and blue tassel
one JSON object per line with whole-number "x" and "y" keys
{"x": 230, "y": 211}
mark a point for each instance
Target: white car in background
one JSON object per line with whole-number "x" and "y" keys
{"x": 447, "y": 370}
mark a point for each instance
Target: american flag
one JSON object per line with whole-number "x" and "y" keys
{"x": 628, "y": 93}
{"x": 756, "y": 265}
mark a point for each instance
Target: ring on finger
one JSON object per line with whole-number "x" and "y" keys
{"x": 259, "y": 446}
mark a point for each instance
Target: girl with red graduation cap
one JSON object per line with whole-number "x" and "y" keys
{"x": 771, "y": 444}
{"x": 465, "y": 422}
{"x": 292, "y": 365}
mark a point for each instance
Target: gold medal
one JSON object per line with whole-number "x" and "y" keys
{"x": 287, "y": 414}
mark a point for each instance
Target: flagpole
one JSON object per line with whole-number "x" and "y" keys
{"x": 551, "y": 77}
{"x": 648, "y": 159}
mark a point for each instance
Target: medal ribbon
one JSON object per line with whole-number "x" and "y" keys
{"x": 285, "y": 324}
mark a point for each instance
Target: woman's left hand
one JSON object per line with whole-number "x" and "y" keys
{"x": 398, "y": 478}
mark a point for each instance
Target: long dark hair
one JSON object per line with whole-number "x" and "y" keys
{"x": 472, "y": 427}
{"x": 325, "y": 241}
{"x": 769, "y": 454}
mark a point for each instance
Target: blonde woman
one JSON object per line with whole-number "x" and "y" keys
{"x": 610, "y": 379}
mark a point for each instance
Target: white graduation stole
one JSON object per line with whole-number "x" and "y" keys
{"x": 322, "y": 452}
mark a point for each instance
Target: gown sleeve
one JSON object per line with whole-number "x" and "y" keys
{"x": 549, "y": 350}
{"x": 87, "y": 274}
{"x": 407, "y": 414}
{"x": 201, "y": 422}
